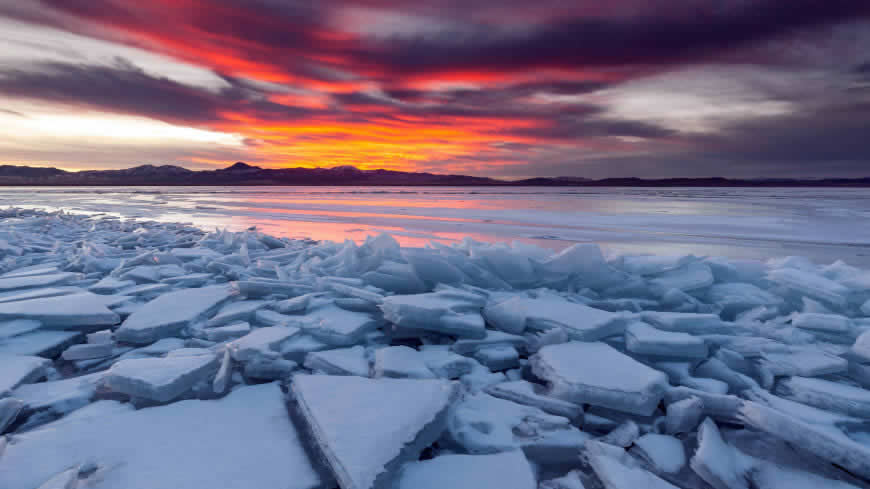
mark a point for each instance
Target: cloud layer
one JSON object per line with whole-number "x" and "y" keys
{"x": 507, "y": 88}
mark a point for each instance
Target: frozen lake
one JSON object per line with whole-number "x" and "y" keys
{"x": 824, "y": 224}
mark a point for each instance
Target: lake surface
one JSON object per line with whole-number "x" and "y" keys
{"x": 824, "y": 224}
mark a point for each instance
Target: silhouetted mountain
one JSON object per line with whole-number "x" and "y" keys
{"x": 242, "y": 173}
{"x": 28, "y": 171}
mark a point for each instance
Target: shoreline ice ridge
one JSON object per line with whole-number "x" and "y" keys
{"x": 127, "y": 345}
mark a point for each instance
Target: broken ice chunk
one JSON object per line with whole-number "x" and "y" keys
{"x": 16, "y": 327}
{"x": 102, "y": 336}
{"x": 9, "y": 409}
{"x": 269, "y": 368}
{"x": 261, "y": 341}
{"x": 480, "y": 377}
{"x": 145, "y": 290}
{"x": 618, "y": 470}
{"x": 664, "y": 453}
{"x": 683, "y": 416}
{"x": 230, "y": 331}
{"x": 583, "y": 261}
{"x": 529, "y": 394}
{"x": 492, "y": 338}
{"x": 367, "y": 428}
{"x": 162, "y": 447}
{"x": 571, "y": 480}
{"x": 810, "y": 284}
{"x": 110, "y": 285}
{"x": 87, "y": 351}
{"x": 142, "y": 274}
{"x": 65, "y": 311}
{"x": 481, "y": 423}
{"x": 827, "y": 395}
{"x": 498, "y": 357}
{"x": 507, "y": 315}
{"x": 831, "y": 323}
{"x": 717, "y": 369}
{"x": 719, "y": 464}
{"x": 695, "y": 275}
{"x": 235, "y": 311}
{"x": 809, "y": 362}
{"x": 343, "y": 361}
{"x": 507, "y": 470}
{"x": 20, "y": 369}
{"x": 623, "y": 435}
{"x": 33, "y": 281}
{"x": 59, "y": 396}
{"x": 827, "y": 444}
{"x": 169, "y": 313}
{"x": 300, "y": 345}
{"x": 339, "y": 327}
{"x": 738, "y": 297}
{"x": 160, "y": 379}
{"x": 46, "y": 344}
{"x": 294, "y": 305}
{"x": 653, "y": 264}
{"x": 400, "y": 361}
{"x": 222, "y": 378}
{"x": 861, "y": 347}
{"x": 187, "y": 254}
{"x": 271, "y": 318}
{"x": 445, "y": 363}
{"x": 579, "y": 321}
{"x": 189, "y": 280}
{"x": 643, "y": 339}
{"x": 437, "y": 311}
{"x": 718, "y": 406}
{"x": 685, "y": 322}
{"x": 596, "y": 373}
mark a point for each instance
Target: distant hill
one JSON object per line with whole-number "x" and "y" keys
{"x": 243, "y": 174}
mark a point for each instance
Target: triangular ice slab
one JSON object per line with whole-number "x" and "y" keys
{"x": 366, "y": 428}
{"x": 169, "y": 313}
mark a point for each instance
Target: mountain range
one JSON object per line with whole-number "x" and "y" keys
{"x": 244, "y": 174}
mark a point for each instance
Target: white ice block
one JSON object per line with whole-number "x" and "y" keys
{"x": 506, "y": 470}
{"x": 160, "y": 379}
{"x": 162, "y": 447}
{"x": 596, "y": 373}
{"x": 169, "y": 313}
{"x": 367, "y": 428}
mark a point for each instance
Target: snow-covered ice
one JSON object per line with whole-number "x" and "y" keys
{"x": 244, "y": 440}
{"x": 341, "y": 361}
{"x": 65, "y": 311}
{"x": 167, "y": 314}
{"x": 126, "y": 346}
{"x": 20, "y": 369}
{"x": 643, "y": 339}
{"x": 507, "y": 470}
{"x": 524, "y": 392}
{"x": 160, "y": 379}
{"x": 596, "y": 373}
{"x": 366, "y": 428}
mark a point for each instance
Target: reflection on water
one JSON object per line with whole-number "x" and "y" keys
{"x": 823, "y": 224}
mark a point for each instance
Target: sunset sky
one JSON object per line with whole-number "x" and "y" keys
{"x": 506, "y": 88}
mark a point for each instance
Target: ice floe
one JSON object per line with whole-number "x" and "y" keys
{"x": 127, "y": 346}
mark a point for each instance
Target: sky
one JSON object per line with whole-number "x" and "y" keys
{"x": 500, "y": 88}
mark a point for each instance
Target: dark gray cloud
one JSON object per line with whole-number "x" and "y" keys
{"x": 124, "y": 88}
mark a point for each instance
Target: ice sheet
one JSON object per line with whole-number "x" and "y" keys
{"x": 162, "y": 447}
